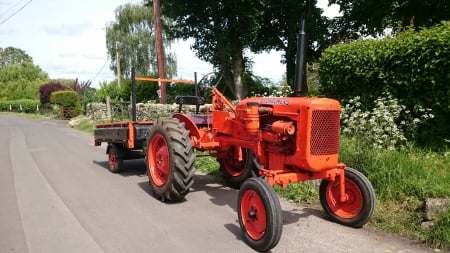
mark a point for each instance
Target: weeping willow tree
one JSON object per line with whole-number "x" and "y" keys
{"x": 130, "y": 41}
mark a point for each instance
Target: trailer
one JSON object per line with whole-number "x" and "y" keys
{"x": 125, "y": 140}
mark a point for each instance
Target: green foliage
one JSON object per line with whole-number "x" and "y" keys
{"x": 83, "y": 124}
{"x": 69, "y": 102}
{"x": 12, "y": 56}
{"x": 439, "y": 235}
{"x": 302, "y": 192}
{"x": 279, "y": 26}
{"x": 207, "y": 164}
{"x": 400, "y": 174}
{"x": 372, "y": 17}
{"x": 21, "y": 81}
{"x": 182, "y": 89}
{"x": 110, "y": 89}
{"x": 21, "y": 105}
{"x": 65, "y": 98}
{"x": 402, "y": 180}
{"x": 88, "y": 96}
{"x": 413, "y": 67}
{"x": 131, "y": 38}
{"x": 387, "y": 125}
{"x": 221, "y": 32}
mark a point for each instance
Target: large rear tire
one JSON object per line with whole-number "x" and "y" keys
{"x": 259, "y": 214}
{"x": 170, "y": 160}
{"x": 237, "y": 166}
{"x": 115, "y": 160}
{"x": 359, "y": 205}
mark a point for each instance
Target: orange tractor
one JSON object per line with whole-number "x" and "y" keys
{"x": 259, "y": 142}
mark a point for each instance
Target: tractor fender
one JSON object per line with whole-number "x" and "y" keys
{"x": 189, "y": 124}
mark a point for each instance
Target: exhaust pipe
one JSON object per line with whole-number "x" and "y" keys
{"x": 300, "y": 86}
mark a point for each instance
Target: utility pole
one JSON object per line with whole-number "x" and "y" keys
{"x": 118, "y": 62}
{"x": 159, "y": 50}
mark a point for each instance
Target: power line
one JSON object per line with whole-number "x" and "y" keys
{"x": 100, "y": 71}
{"x": 12, "y": 6}
{"x": 14, "y": 13}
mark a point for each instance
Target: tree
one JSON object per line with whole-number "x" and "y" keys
{"x": 280, "y": 25}
{"x": 222, "y": 31}
{"x": 21, "y": 81}
{"x": 372, "y": 17}
{"x": 11, "y": 56}
{"x": 131, "y": 39}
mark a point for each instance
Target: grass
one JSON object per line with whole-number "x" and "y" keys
{"x": 26, "y": 115}
{"x": 439, "y": 235}
{"x": 85, "y": 125}
{"x": 207, "y": 164}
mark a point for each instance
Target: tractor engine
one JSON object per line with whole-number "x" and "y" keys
{"x": 290, "y": 133}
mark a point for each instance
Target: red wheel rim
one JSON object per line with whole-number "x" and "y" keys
{"x": 158, "y": 159}
{"x": 112, "y": 159}
{"x": 233, "y": 166}
{"x": 353, "y": 204}
{"x": 253, "y": 214}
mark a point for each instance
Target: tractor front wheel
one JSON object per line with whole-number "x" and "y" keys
{"x": 259, "y": 214}
{"x": 237, "y": 166}
{"x": 170, "y": 160}
{"x": 359, "y": 205}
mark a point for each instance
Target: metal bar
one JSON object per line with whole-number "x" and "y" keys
{"x": 150, "y": 79}
{"x": 133, "y": 94}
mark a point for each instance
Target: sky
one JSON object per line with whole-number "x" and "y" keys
{"x": 66, "y": 38}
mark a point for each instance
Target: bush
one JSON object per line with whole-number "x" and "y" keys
{"x": 388, "y": 125}
{"x": 412, "y": 67}
{"x": 46, "y": 91}
{"x": 69, "y": 101}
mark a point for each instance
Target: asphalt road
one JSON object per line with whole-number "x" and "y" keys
{"x": 56, "y": 195}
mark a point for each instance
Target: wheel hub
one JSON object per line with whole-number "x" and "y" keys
{"x": 252, "y": 214}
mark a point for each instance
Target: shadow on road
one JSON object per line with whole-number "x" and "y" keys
{"x": 135, "y": 167}
{"x": 221, "y": 195}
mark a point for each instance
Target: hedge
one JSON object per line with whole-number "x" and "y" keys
{"x": 413, "y": 66}
{"x": 21, "y": 105}
{"x": 69, "y": 101}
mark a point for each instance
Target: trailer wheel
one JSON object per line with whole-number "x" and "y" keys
{"x": 235, "y": 171}
{"x": 170, "y": 160}
{"x": 259, "y": 214}
{"x": 360, "y": 203}
{"x": 115, "y": 164}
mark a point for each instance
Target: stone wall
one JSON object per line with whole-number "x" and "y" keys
{"x": 98, "y": 112}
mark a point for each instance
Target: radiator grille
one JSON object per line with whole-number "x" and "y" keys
{"x": 325, "y": 129}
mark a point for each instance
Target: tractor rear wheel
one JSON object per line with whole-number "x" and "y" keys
{"x": 237, "y": 166}
{"x": 360, "y": 202}
{"x": 170, "y": 160}
{"x": 259, "y": 213}
{"x": 115, "y": 161}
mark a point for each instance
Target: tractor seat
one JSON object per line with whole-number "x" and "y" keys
{"x": 190, "y": 100}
